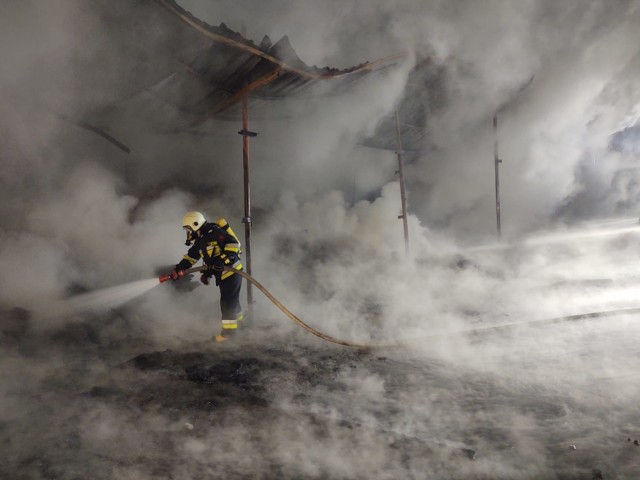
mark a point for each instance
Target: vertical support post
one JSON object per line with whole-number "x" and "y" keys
{"x": 497, "y": 162}
{"x": 247, "y": 199}
{"x": 403, "y": 196}
{"x": 247, "y": 190}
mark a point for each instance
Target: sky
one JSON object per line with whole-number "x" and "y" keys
{"x": 78, "y": 215}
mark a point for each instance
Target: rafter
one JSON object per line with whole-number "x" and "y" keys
{"x": 236, "y": 97}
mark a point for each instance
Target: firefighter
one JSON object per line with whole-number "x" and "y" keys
{"x": 218, "y": 246}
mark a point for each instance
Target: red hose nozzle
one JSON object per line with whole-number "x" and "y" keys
{"x": 175, "y": 275}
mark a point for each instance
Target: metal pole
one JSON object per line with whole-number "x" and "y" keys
{"x": 247, "y": 189}
{"x": 247, "y": 198}
{"x": 403, "y": 196}
{"x": 497, "y": 162}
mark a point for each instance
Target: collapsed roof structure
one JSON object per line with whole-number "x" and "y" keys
{"x": 202, "y": 71}
{"x": 188, "y": 71}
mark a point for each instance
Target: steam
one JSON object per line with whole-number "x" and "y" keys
{"x": 100, "y": 300}
{"x": 79, "y": 215}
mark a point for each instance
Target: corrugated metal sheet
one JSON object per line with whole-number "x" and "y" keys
{"x": 424, "y": 95}
{"x": 181, "y": 71}
{"x": 209, "y": 69}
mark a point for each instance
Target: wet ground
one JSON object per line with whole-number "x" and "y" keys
{"x": 80, "y": 402}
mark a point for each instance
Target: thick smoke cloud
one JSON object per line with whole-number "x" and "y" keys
{"x": 79, "y": 215}
{"x": 583, "y": 62}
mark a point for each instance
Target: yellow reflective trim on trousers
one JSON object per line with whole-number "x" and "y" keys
{"x": 229, "y": 324}
{"x": 229, "y": 248}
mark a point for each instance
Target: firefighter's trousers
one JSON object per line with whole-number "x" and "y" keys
{"x": 230, "y": 301}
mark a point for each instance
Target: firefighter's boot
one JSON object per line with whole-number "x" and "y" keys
{"x": 225, "y": 335}
{"x": 229, "y": 328}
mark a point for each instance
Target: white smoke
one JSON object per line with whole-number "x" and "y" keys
{"x": 78, "y": 214}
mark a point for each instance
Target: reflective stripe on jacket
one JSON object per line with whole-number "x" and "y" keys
{"x": 214, "y": 241}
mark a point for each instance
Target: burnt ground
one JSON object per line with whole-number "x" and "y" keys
{"x": 80, "y": 402}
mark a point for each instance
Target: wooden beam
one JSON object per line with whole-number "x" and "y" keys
{"x": 243, "y": 92}
{"x": 96, "y": 130}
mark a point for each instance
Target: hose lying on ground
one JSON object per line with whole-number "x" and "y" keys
{"x": 290, "y": 314}
{"x": 474, "y": 331}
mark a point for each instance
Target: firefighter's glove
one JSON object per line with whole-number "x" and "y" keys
{"x": 174, "y": 275}
{"x": 204, "y": 278}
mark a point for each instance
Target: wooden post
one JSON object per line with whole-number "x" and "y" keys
{"x": 403, "y": 196}
{"x": 247, "y": 198}
{"x": 497, "y": 161}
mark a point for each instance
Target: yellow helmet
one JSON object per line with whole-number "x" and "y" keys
{"x": 193, "y": 221}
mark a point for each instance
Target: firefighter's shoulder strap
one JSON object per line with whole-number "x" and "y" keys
{"x": 224, "y": 225}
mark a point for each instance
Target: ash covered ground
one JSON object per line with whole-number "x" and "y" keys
{"x": 84, "y": 401}
{"x": 136, "y": 390}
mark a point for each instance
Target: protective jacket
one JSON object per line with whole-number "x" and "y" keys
{"x": 217, "y": 245}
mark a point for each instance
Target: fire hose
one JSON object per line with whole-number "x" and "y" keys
{"x": 181, "y": 273}
{"x": 475, "y": 331}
